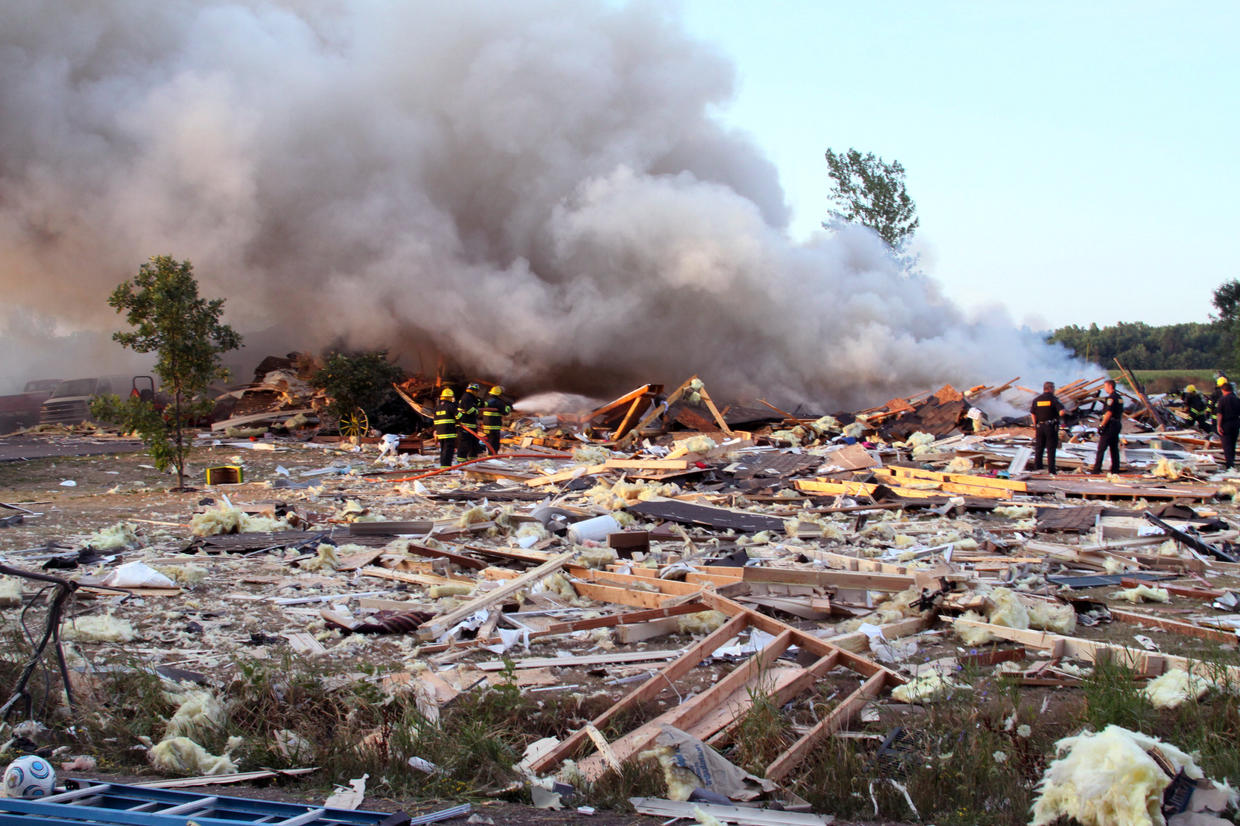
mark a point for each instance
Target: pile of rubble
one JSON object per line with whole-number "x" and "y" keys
{"x": 690, "y": 558}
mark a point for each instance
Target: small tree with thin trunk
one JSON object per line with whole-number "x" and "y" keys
{"x": 169, "y": 319}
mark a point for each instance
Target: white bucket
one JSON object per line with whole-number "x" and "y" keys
{"x": 593, "y": 530}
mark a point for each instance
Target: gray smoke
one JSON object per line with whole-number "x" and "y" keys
{"x": 538, "y": 190}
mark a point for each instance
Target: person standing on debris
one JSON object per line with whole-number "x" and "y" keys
{"x": 1045, "y": 411}
{"x": 1112, "y": 424}
{"x": 493, "y": 411}
{"x": 1228, "y": 422}
{"x": 468, "y": 445}
{"x": 445, "y": 426}
{"x": 1196, "y": 407}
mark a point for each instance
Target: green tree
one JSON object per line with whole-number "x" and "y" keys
{"x": 169, "y": 319}
{"x": 1226, "y": 300}
{"x": 866, "y": 190}
{"x": 353, "y": 380}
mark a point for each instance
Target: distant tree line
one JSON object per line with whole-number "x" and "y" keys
{"x": 1193, "y": 345}
{"x": 1189, "y": 346}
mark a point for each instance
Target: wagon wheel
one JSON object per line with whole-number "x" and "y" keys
{"x": 354, "y": 423}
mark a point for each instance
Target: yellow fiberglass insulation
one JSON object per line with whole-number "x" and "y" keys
{"x": 786, "y": 437}
{"x": 680, "y": 781}
{"x": 971, "y": 634}
{"x": 327, "y": 558}
{"x": 597, "y": 558}
{"x": 703, "y": 622}
{"x": 1006, "y": 609}
{"x": 961, "y": 464}
{"x": 224, "y": 520}
{"x": 1108, "y": 778}
{"x": 451, "y": 589}
{"x": 826, "y": 424}
{"x": 591, "y": 455}
{"x": 473, "y": 516}
{"x": 1142, "y": 593}
{"x": 919, "y": 439}
{"x": 1015, "y": 511}
{"x": 1168, "y": 469}
{"x": 98, "y": 628}
{"x": 10, "y": 591}
{"x": 115, "y": 538}
{"x": 181, "y": 755}
{"x": 697, "y": 444}
{"x": 198, "y": 713}
{"x": 705, "y": 818}
{"x": 1052, "y": 616}
{"x": 187, "y": 576}
{"x": 925, "y": 689}
{"x": 1174, "y": 688}
{"x": 558, "y": 585}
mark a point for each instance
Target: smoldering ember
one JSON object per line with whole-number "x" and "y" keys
{"x": 670, "y": 603}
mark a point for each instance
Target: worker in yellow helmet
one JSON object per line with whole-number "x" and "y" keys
{"x": 445, "y": 426}
{"x": 494, "y": 408}
{"x": 467, "y": 444}
{"x": 1197, "y": 408}
{"x": 1219, "y": 380}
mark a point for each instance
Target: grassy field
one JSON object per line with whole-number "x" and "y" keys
{"x": 1169, "y": 381}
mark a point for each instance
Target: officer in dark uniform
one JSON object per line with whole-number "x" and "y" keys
{"x": 493, "y": 411}
{"x": 1112, "y": 424}
{"x": 1197, "y": 408}
{"x": 1228, "y": 423}
{"x": 1045, "y": 411}
{"x": 467, "y": 417}
{"x": 445, "y": 426}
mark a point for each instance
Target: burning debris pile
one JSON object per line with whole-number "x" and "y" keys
{"x": 682, "y": 562}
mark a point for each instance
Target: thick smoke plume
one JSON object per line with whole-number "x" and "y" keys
{"x": 538, "y": 190}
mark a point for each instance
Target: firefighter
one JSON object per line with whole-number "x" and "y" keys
{"x": 445, "y": 426}
{"x": 1108, "y": 432}
{"x": 467, "y": 420}
{"x": 1045, "y": 411}
{"x": 1197, "y": 408}
{"x": 1228, "y": 422}
{"x": 493, "y": 411}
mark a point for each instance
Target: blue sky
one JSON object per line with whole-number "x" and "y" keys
{"x": 1070, "y": 161}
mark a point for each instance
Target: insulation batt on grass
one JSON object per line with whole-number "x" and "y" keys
{"x": 98, "y": 628}
{"x": 226, "y": 520}
{"x": 10, "y": 591}
{"x": 1108, "y": 778}
{"x": 1142, "y": 593}
{"x": 181, "y": 755}
{"x": 1174, "y": 688}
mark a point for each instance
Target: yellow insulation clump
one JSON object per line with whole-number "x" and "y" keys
{"x": 1008, "y": 610}
{"x": 925, "y": 689}
{"x": 826, "y": 424}
{"x": 1174, "y": 688}
{"x": 116, "y": 538}
{"x": 557, "y": 585}
{"x": 473, "y": 516}
{"x": 1168, "y": 469}
{"x": 680, "y": 781}
{"x": 187, "y": 576}
{"x": 697, "y": 444}
{"x": 1016, "y": 511}
{"x": 1142, "y": 593}
{"x": 98, "y": 628}
{"x": 1052, "y": 616}
{"x": 327, "y": 558}
{"x": 597, "y": 558}
{"x": 971, "y": 634}
{"x": 591, "y": 455}
{"x": 623, "y": 493}
{"x": 10, "y": 591}
{"x": 703, "y": 622}
{"x": 181, "y": 755}
{"x": 197, "y": 714}
{"x": 451, "y": 589}
{"x": 961, "y": 464}
{"x": 225, "y": 520}
{"x": 1108, "y": 778}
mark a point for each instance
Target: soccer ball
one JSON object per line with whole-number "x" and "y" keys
{"x": 30, "y": 776}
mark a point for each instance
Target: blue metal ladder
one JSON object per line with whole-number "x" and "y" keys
{"x": 121, "y": 805}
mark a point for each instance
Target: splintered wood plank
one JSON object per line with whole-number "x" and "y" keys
{"x": 438, "y": 625}
{"x": 620, "y": 596}
{"x": 839, "y": 717}
{"x": 1175, "y": 626}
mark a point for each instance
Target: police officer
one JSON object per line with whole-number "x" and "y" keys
{"x": 467, "y": 417}
{"x": 1228, "y": 422}
{"x": 493, "y": 411}
{"x": 1112, "y": 423}
{"x": 1197, "y": 408}
{"x": 445, "y": 426}
{"x": 1045, "y": 411}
